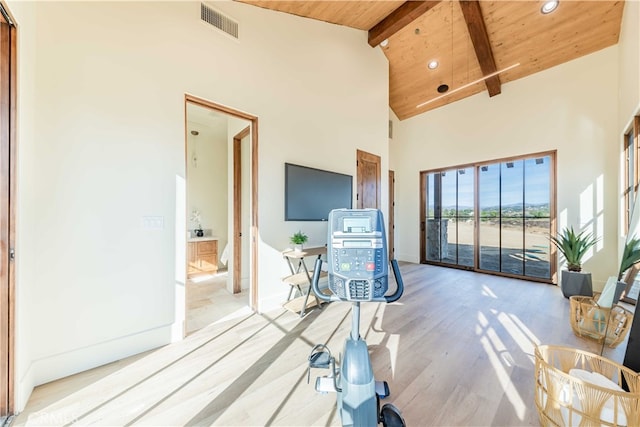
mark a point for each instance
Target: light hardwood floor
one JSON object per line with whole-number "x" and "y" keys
{"x": 208, "y": 301}
{"x": 457, "y": 349}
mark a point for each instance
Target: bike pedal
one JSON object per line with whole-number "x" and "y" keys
{"x": 325, "y": 385}
{"x": 382, "y": 389}
{"x": 320, "y": 360}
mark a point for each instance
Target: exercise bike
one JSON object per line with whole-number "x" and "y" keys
{"x": 358, "y": 272}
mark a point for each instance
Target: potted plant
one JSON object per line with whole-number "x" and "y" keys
{"x": 195, "y": 219}
{"x": 630, "y": 257}
{"x": 573, "y": 246}
{"x": 298, "y": 239}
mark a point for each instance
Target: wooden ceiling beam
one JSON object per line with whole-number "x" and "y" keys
{"x": 481, "y": 45}
{"x": 408, "y": 12}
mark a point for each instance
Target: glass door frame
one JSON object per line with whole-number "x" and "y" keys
{"x": 476, "y": 167}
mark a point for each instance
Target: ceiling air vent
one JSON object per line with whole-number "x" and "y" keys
{"x": 218, "y": 20}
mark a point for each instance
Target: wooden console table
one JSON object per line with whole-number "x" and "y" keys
{"x": 301, "y": 278}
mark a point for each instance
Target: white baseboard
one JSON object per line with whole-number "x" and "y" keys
{"x": 407, "y": 257}
{"x": 61, "y": 365}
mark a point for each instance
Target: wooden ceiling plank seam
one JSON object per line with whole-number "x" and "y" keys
{"x": 408, "y": 12}
{"x": 481, "y": 44}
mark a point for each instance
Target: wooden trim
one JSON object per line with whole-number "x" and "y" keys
{"x": 553, "y": 225}
{"x": 488, "y": 162}
{"x": 237, "y": 209}
{"x": 408, "y": 12}
{"x": 424, "y": 197}
{"x": 253, "y": 291}
{"x": 8, "y": 157}
{"x": 391, "y": 220}
{"x": 254, "y": 215}
{"x": 481, "y": 44}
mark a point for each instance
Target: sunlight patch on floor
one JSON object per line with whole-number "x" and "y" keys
{"x": 500, "y": 360}
{"x": 244, "y": 311}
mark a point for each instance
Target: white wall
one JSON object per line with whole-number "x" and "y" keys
{"x": 207, "y": 179}
{"x": 629, "y": 64}
{"x": 629, "y": 96}
{"x": 571, "y": 108}
{"x": 102, "y": 135}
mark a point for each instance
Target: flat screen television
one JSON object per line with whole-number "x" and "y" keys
{"x": 310, "y": 194}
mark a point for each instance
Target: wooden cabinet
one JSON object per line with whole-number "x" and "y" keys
{"x": 202, "y": 257}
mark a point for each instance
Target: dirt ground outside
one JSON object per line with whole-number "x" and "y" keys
{"x": 525, "y": 253}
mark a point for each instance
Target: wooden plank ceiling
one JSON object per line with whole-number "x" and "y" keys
{"x": 479, "y": 45}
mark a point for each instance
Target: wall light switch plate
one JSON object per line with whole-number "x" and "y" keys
{"x": 152, "y": 223}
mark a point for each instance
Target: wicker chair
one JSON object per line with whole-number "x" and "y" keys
{"x": 590, "y": 320}
{"x": 567, "y": 395}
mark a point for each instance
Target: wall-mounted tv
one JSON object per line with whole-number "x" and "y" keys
{"x": 310, "y": 194}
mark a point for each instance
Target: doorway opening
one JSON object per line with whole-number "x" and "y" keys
{"x": 221, "y": 212}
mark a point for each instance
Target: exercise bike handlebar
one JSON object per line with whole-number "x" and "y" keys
{"x": 400, "y": 288}
{"x": 316, "y": 287}
{"x": 328, "y": 298}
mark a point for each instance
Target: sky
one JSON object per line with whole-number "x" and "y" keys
{"x": 536, "y": 178}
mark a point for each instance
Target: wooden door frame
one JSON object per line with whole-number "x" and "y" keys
{"x": 253, "y": 238}
{"x": 8, "y": 149}
{"x": 237, "y": 209}
{"x": 391, "y": 218}
{"x": 369, "y": 157}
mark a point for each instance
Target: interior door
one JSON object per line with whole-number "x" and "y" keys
{"x": 368, "y": 179}
{"x": 237, "y": 209}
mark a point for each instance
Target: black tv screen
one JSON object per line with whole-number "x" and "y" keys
{"x": 310, "y": 194}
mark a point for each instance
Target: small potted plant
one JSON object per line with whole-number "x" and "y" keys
{"x": 195, "y": 219}
{"x": 298, "y": 239}
{"x": 573, "y": 246}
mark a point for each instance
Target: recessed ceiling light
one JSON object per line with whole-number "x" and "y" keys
{"x": 443, "y": 88}
{"x": 549, "y": 6}
{"x": 432, "y": 65}
{"x": 384, "y": 42}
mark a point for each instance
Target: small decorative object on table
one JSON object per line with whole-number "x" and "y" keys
{"x": 575, "y": 387}
{"x": 298, "y": 239}
{"x": 195, "y": 219}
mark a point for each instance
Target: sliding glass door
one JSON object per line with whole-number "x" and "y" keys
{"x": 493, "y": 217}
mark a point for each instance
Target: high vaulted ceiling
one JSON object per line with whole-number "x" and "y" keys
{"x": 479, "y": 45}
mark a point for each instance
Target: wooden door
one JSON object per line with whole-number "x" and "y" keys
{"x": 7, "y": 209}
{"x": 391, "y": 220}
{"x": 237, "y": 209}
{"x": 368, "y": 179}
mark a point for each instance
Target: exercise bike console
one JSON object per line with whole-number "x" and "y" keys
{"x": 357, "y": 258}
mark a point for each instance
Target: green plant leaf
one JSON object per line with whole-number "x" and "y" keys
{"x": 573, "y": 247}
{"x": 630, "y": 256}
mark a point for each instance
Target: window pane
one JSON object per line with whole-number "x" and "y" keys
{"x": 464, "y": 223}
{"x": 490, "y": 244}
{"x": 489, "y": 191}
{"x": 450, "y": 234}
{"x": 536, "y": 187}
{"x": 449, "y": 183}
{"x": 511, "y": 186}
{"x": 537, "y": 248}
{"x": 512, "y": 252}
{"x": 434, "y": 249}
{"x": 430, "y": 196}
{"x": 465, "y": 242}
